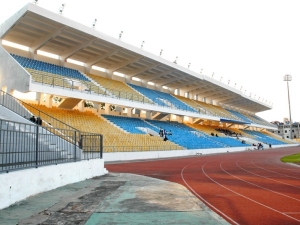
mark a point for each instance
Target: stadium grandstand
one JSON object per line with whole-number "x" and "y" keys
{"x": 71, "y": 93}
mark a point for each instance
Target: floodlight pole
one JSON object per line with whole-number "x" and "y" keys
{"x": 288, "y": 78}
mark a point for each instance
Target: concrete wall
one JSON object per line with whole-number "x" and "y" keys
{"x": 12, "y": 75}
{"x": 18, "y": 185}
{"x": 124, "y": 156}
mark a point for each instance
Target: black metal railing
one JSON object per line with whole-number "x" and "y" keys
{"x": 26, "y": 110}
{"x": 21, "y": 141}
{"x": 24, "y": 145}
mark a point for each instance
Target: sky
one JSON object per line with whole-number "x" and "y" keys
{"x": 249, "y": 44}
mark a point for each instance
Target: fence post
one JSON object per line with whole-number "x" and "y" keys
{"x": 101, "y": 146}
{"x": 75, "y": 146}
{"x": 36, "y": 146}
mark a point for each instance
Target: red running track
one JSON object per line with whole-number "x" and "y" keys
{"x": 252, "y": 187}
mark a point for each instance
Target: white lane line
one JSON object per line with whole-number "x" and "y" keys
{"x": 247, "y": 197}
{"x": 294, "y": 169}
{"x": 265, "y": 176}
{"x": 257, "y": 185}
{"x": 274, "y": 171}
{"x": 292, "y": 212}
{"x": 202, "y": 199}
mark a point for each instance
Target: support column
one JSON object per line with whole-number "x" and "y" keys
{"x": 49, "y": 101}
{"x": 129, "y": 112}
{"x": 109, "y": 74}
{"x": 107, "y": 108}
{"x": 80, "y": 106}
{"x": 127, "y": 79}
{"x": 62, "y": 61}
{"x": 99, "y": 110}
{"x": 87, "y": 69}
{"x": 144, "y": 84}
{"x": 149, "y": 115}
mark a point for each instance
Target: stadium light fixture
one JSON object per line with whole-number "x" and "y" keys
{"x": 288, "y": 78}
{"x": 120, "y": 35}
{"x": 142, "y": 45}
{"x": 61, "y": 9}
{"x": 176, "y": 60}
{"x": 94, "y": 24}
{"x": 161, "y": 51}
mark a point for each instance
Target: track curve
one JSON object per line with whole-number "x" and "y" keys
{"x": 252, "y": 187}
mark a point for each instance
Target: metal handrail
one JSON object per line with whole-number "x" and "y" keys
{"x": 109, "y": 92}
{"x": 27, "y": 145}
{"x": 17, "y": 106}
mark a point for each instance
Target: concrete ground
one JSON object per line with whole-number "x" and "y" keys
{"x": 112, "y": 199}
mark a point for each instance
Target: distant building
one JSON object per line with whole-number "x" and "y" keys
{"x": 284, "y": 130}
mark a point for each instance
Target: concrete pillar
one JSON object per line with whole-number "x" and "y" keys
{"x": 109, "y": 74}
{"x": 80, "y": 106}
{"x": 129, "y": 112}
{"x": 144, "y": 84}
{"x": 87, "y": 69}
{"x": 41, "y": 98}
{"x": 38, "y": 96}
{"x": 49, "y": 101}
{"x": 99, "y": 110}
{"x": 127, "y": 79}
{"x": 62, "y": 61}
{"x": 149, "y": 115}
{"x": 32, "y": 53}
{"x": 158, "y": 88}
{"x": 107, "y": 108}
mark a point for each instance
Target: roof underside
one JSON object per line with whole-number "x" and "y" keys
{"x": 40, "y": 29}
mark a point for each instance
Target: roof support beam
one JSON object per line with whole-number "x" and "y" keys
{"x": 158, "y": 75}
{"x": 141, "y": 70}
{"x": 187, "y": 89}
{"x": 75, "y": 49}
{"x": 126, "y": 63}
{"x": 169, "y": 81}
{"x": 104, "y": 56}
{"x": 42, "y": 41}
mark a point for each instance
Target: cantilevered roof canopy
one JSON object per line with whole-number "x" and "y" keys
{"x": 40, "y": 29}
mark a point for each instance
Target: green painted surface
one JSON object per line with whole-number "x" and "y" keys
{"x": 150, "y": 218}
{"x": 37, "y": 203}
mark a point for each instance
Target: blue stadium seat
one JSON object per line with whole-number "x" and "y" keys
{"x": 48, "y": 67}
{"x": 163, "y": 99}
{"x": 260, "y": 137}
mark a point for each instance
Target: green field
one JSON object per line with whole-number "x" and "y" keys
{"x": 295, "y": 158}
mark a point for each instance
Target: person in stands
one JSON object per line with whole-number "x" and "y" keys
{"x": 39, "y": 121}
{"x": 32, "y": 119}
{"x": 80, "y": 143}
{"x": 161, "y": 132}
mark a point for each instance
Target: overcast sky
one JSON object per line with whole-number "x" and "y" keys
{"x": 251, "y": 43}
